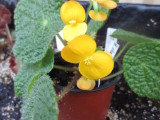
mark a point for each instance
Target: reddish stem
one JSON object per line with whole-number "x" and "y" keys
{"x": 9, "y": 36}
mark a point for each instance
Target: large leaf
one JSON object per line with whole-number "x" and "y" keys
{"x": 93, "y": 27}
{"x": 41, "y": 103}
{"x": 37, "y": 22}
{"x": 141, "y": 65}
{"x": 131, "y": 37}
{"x": 29, "y": 72}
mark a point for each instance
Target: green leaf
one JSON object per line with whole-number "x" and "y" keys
{"x": 37, "y": 22}
{"x": 93, "y": 27}
{"x": 131, "y": 37}
{"x": 116, "y": 0}
{"x": 41, "y": 103}
{"x": 31, "y": 71}
{"x": 141, "y": 66}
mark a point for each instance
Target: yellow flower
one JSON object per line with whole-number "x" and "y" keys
{"x": 108, "y": 4}
{"x": 73, "y": 15}
{"x": 92, "y": 64}
{"x": 99, "y": 15}
{"x": 85, "y": 84}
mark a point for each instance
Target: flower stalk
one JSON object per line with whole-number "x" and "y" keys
{"x": 113, "y": 75}
{"x": 89, "y": 8}
{"x": 9, "y": 36}
{"x": 61, "y": 39}
{"x": 67, "y": 88}
{"x": 121, "y": 51}
{"x": 64, "y": 68}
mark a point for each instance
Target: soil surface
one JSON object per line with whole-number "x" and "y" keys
{"x": 125, "y": 104}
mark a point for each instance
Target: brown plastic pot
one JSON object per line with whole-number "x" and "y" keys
{"x": 87, "y": 105}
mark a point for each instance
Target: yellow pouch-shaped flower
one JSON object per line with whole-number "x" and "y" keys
{"x": 108, "y": 4}
{"x": 78, "y": 49}
{"x": 98, "y": 16}
{"x": 74, "y": 30}
{"x": 96, "y": 66}
{"x": 73, "y": 15}
{"x": 86, "y": 84}
{"x": 92, "y": 65}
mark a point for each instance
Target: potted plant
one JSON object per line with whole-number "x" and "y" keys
{"x": 37, "y": 22}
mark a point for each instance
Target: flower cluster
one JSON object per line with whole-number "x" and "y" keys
{"x": 81, "y": 48}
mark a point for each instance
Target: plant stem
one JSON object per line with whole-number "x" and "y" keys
{"x": 121, "y": 51}
{"x": 113, "y": 75}
{"x": 61, "y": 39}
{"x": 89, "y": 8}
{"x": 9, "y": 36}
{"x": 67, "y": 88}
{"x": 63, "y": 68}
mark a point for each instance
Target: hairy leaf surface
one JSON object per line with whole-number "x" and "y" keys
{"x": 141, "y": 66}
{"x": 31, "y": 71}
{"x": 41, "y": 103}
{"x": 37, "y": 22}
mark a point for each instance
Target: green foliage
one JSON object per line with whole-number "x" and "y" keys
{"x": 131, "y": 37}
{"x": 141, "y": 66}
{"x": 41, "y": 103}
{"x": 37, "y": 22}
{"x": 31, "y": 71}
{"x": 93, "y": 27}
{"x": 116, "y": 0}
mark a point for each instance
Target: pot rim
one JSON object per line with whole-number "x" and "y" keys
{"x": 107, "y": 84}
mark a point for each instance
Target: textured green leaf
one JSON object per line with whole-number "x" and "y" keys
{"x": 131, "y": 37}
{"x": 29, "y": 72}
{"x": 37, "y": 22}
{"x": 93, "y": 27}
{"x": 41, "y": 103}
{"x": 141, "y": 66}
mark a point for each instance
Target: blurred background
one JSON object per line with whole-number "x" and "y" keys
{"x": 155, "y": 2}
{"x": 141, "y": 1}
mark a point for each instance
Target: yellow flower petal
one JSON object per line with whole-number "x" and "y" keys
{"x": 98, "y": 16}
{"x": 74, "y": 30}
{"x": 78, "y": 49}
{"x": 85, "y": 84}
{"x": 72, "y": 10}
{"x": 97, "y": 66}
{"x": 109, "y": 4}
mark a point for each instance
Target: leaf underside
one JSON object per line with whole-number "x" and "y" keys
{"x": 37, "y": 22}
{"x": 132, "y": 37}
{"x": 141, "y": 65}
{"x": 41, "y": 103}
{"x": 93, "y": 27}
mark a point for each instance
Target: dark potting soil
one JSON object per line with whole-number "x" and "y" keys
{"x": 9, "y": 104}
{"x": 126, "y": 105}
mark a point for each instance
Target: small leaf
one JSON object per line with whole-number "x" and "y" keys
{"x": 93, "y": 27}
{"x": 37, "y": 22}
{"x": 116, "y": 0}
{"x": 131, "y": 37}
{"x": 29, "y": 72}
{"x": 141, "y": 66}
{"x": 41, "y": 103}
{"x": 5, "y": 16}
